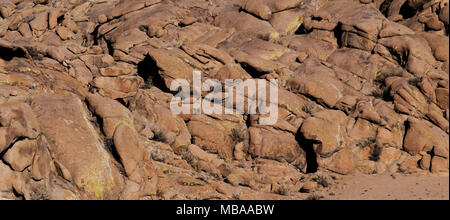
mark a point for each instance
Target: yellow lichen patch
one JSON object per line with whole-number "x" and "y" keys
{"x": 126, "y": 71}
{"x": 19, "y": 80}
{"x": 274, "y": 55}
{"x": 376, "y": 75}
{"x": 4, "y": 79}
{"x": 96, "y": 183}
{"x": 189, "y": 181}
{"x": 294, "y": 25}
{"x": 24, "y": 69}
{"x": 176, "y": 125}
{"x": 164, "y": 146}
{"x": 183, "y": 146}
{"x": 39, "y": 10}
{"x": 37, "y": 72}
{"x": 427, "y": 134}
{"x": 274, "y": 36}
{"x": 126, "y": 121}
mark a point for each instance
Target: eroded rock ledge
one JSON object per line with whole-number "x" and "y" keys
{"x": 84, "y": 99}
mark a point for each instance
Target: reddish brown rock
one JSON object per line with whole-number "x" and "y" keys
{"x": 40, "y": 22}
{"x": 423, "y": 136}
{"x": 363, "y": 88}
{"x": 215, "y": 134}
{"x": 327, "y": 129}
{"x": 6, "y": 182}
{"x": 267, "y": 142}
{"x": 91, "y": 168}
{"x": 439, "y": 164}
{"x": 118, "y": 87}
{"x": 20, "y": 155}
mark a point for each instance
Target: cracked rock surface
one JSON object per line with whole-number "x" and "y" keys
{"x": 85, "y": 98}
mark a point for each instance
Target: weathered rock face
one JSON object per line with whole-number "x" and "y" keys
{"x": 431, "y": 138}
{"x": 276, "y": 145}
{"x": 75, "y": 144}
{"x": 85, "y": 99}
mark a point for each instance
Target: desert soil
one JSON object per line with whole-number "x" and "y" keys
{"x": 384, "y": 187}
{"x": 85, "y": 99}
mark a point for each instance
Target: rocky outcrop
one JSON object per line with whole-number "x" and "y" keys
{"x": 73, "y": 142}
{"x": 85, "y": 100}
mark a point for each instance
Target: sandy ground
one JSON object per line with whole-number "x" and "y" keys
{"x": 390, "y": 188}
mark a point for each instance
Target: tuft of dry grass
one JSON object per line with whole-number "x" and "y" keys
{"x": 237, "y": 135}
{"x": 189, "y": 157}
{"x": 315, "y": 197}
{"x": 157, "y": 155}
{"x": 308, "y": 108}
{"x": 415, "y": 81}
{"x": 40, "y": 193}
{"x": 282, "y": 190}
{"x": 236, "y": 196}
{"x": 160, "y": 135}
{"x": 322, "y": 180}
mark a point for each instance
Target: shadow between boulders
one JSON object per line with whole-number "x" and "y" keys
{"x": 149, "y": 71}
{"x": 308, "y": 147}
{"x": 8, "y": 53}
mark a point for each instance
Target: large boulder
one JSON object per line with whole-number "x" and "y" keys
{"x": 270, "y": 143}
{"x": 153, "y": 115}
{"x": 20, "y": 156}
{"x": 247, "y": 23}
{"x": 424, "y": 136}
{"x": 217, "y": 133}
{"x": 17, "y": 120}
{"x": 328, "y": 130}
{"x": 118, "y": 125}
{"x": 173, "y": 64}
{"x": 323, "y": 92}
{"x": 76, "y": 145}
{"x": 265, "y": 8}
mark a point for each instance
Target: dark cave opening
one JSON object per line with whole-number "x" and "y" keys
{"x": 302, "y": 30}
{"x": 149, "y": 71}
{"x": 338, "y": 34}
{"x": 252, "y": 70}
{"x": 407, "y": 12}
{"x": 8, "y": 54}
